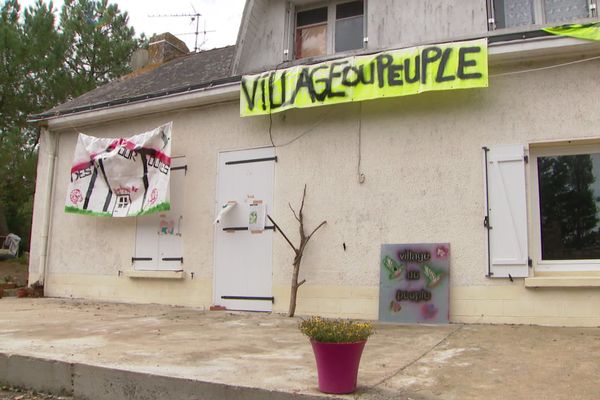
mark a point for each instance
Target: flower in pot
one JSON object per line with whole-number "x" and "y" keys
{"x": 338, "y": 345}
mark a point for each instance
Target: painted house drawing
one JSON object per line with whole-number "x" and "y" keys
{"x": 506, "y": 173}
{"x": 122, "y": 205}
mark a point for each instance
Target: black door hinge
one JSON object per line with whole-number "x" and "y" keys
{"x": 530, "y": 262}
{"x": 486, "y": 222}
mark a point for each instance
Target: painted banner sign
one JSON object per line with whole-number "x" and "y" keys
{"x": 579, "y": 31}
{"x": 414, "y": 283}
{"x": 121, "y": 177}
{"x": 459, "y": 65}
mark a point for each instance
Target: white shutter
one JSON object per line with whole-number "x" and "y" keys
{"x": 158, "y": 244}
{"x": 170, "y": 252}
{"x": 507, "y": 211}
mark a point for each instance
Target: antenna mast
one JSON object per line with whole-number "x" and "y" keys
{"x": 195, "y": 16}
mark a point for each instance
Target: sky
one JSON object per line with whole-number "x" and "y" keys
{"x": 220, "y": 16}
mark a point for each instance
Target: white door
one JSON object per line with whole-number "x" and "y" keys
{"x": 243, "y": 256}
{"x": 158, "y": 235}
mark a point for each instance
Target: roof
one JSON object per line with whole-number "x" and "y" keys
{"x": 183, "y": 74}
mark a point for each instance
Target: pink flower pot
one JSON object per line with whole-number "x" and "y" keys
{"x": 337, "y": 365}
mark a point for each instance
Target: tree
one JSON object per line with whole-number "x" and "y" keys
{"x": 298, "y": 251}
{"x": 99, "y": 40}
{"x": 43, "y": 64}
{"x": 28, "y": 70}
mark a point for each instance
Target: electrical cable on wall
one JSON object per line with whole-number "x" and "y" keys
{"x": 312, "y": 128}
{"x": 544, "y": 68}
{"x": 361, "y": 176}
{"x": 271, "y": 111}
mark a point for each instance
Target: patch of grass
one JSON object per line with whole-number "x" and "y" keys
{"x": 15, "y": 270}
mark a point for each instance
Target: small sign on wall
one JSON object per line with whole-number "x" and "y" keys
{"x": 414, "y": 283}
{"x": 256, "y": 216}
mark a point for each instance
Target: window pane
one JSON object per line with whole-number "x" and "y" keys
{"x": 310, "y": 17}
{"x": 569, "y": 206}
{"x": 311, "y": 42}
{"x": 510, "y": 13}
{"x": 565, "y": 10}
{"x": 349, "y": 34}
{"x": 347, "y": 10}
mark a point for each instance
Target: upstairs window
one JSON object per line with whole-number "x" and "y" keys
{"x": 336, "y": 27}
{"x": 349, "y": 26}
{"x": 515, "y": 13}
{"x": 311, "y": 33}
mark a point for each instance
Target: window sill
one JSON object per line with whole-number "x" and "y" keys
{"x": 154, "y": 274}
{"x": 527, "y": 29}
{"x": 563, "y": 281}
{"x": 540, "y": 48}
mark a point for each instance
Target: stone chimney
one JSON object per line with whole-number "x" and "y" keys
{"x": 139, "y": 59}
{"x": 165, "y": 47}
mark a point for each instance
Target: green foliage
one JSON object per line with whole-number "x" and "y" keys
{"x": 99, "y": 42}
{"x": 335, "y": 330}
{"x": 44, "y": 62}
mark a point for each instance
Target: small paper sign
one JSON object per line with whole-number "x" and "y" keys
{"x": 256, "y": 216}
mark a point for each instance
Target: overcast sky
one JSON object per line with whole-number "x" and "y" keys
{"x": 221, "y": 16}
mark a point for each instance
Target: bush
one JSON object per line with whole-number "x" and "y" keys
{"x": 335, "y": 330}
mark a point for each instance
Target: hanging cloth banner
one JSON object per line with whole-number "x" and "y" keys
{"x": 586, "y": 31}
{"x": 121, "y": 177}
{"x": 459, "y": 65}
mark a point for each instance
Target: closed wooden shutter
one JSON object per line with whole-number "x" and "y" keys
{"x": 158, "y": 245}
{"x": 506, "y": 211}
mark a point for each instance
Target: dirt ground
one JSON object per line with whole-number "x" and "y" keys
{"x": 11, "y": 393}
{"x": 13, "y": 269}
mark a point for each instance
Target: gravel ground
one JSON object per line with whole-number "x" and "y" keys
{"x": 12, "y": 393}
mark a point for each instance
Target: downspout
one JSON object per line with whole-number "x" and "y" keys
{"x": 47, "y": 203}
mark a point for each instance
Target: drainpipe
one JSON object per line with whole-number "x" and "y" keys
{"x": 52, "y": 139}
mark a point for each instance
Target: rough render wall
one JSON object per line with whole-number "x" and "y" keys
{"x": 424, "y": 183}
{"x": 263, "y": 44}
{"x": 104, "y": 246}
{"x": 410, "y": 22}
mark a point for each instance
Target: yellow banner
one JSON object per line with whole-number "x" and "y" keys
{"x": 587, "y": 31}
{"x": 459, "y": 65}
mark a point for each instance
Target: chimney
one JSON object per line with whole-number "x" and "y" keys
{"x": 165, "y": 47}
{"x": 139, "y": 59}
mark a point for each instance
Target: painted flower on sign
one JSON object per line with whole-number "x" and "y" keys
{"x": 76, "y": 196}
{"x": 441, "y": 252}
{"x": 153, "y": 196}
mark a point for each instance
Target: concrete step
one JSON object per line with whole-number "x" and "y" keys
{"x": 101, "y": 383}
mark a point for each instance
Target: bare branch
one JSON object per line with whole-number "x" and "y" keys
{"x": 295, "y": 215}
{"x": 282, "y": 233}
{"x": 299, "y": 252}
{"x": 313, "y": 232}
{"x": 303, "y": 197}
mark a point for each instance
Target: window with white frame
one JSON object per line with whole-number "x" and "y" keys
{"x": 515, "y": 13}
{"x": 331, "y": 28}
{"x": 566, "y": 207}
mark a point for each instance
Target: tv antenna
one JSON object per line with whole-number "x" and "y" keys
{"x": 194, "y": 17}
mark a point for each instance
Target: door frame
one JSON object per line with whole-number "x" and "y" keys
{"x": 216, "y": 210}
